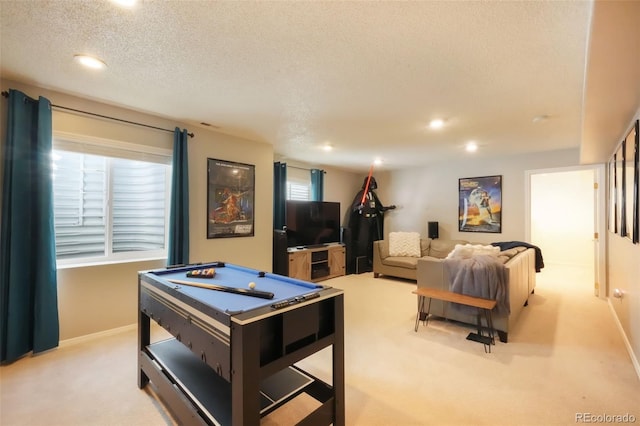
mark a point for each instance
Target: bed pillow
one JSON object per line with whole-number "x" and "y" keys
{"x": 404, "y": 244}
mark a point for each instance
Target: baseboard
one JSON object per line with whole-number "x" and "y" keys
{"x": 92, "y": 336}
{"x": 632, "y": 355}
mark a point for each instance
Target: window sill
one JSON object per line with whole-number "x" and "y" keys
{"x": 108, "y": 262}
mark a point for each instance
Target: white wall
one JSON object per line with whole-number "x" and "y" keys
{"x": 430, "y": 193}
{"x": 562, "y": 217}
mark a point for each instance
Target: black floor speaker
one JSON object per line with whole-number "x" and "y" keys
{"x": 350, "y": 261}
{"x": 432, "y": 230}
{"x": 280, "y": 263}
{"x": 363, "y": 265}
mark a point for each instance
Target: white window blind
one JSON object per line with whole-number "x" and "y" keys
{"x": 298, "y": 191}
{"x": 109, "y": 208}
{"x": 139, "y": 201}
{"x": 79, "y": 205}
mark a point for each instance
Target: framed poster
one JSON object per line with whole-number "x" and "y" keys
{"x": 631, "y": 183}
{"x": 612, "y": 211}
{"x": 480, "y": 204}
{"x": 230, "y": 199}
{"x": 620, "y": 190}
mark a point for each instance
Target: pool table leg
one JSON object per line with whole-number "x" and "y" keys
{"x": 338, "y": 363}
{"x": 245, "y": 374}
{"x": 144, "y": 339}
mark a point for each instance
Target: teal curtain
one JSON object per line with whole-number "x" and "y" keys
{"x": 179, "y": 215}
{"x": 317, "y": 185}
{"x": 28, "y": 282}
{"x": 279, "y": 195}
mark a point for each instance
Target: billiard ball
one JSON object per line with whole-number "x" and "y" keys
{"x": 252, "y": 285}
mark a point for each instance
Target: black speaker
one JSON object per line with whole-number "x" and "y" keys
{"x": 432, "y": 230}
{"x": 345, "y": 238}
{"x": 280, "y": 263}
{"x": 363, "y": 265}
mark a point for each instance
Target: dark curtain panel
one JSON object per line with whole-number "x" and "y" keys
{"x": 28, "y": 282}
{"x": 279, "y": 195}
{"x": 179, "y": 216}
{"x": 317, "y": 185}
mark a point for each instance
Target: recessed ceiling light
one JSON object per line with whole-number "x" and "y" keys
{"x": 125, "y": 3}
{"x": 90, "y": 61}
{"x": 327, "y": 148}
{"x": 437, "y": 123}
{"x": 471, "y": 146}
{"x": 377, "y": 161}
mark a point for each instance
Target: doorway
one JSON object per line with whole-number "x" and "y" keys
{"x": 566, "y": 218}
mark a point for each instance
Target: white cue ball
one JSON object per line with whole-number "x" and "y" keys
{"x": 252, "y": 285}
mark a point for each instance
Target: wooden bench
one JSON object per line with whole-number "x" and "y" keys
{"x": 484, "y": 306}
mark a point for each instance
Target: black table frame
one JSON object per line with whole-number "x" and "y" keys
{"x": 242, "y": 348}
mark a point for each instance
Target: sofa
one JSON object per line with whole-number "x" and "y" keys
{"x": 519, "y": 274}
{"x": 406, "y": 266}
{"x": 429, "y": 270}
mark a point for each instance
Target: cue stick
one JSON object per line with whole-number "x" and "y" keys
{"x": 236, "y": 290}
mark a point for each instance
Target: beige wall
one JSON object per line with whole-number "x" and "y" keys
{"x": 430, "y": 193}
{"x": 623, "y": 272}
{"x": 98, "y": 298}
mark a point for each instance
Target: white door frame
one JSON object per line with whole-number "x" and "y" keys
{"x": 599, "y": 226}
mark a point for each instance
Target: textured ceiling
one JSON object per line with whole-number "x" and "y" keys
{"x": 364, "y": 77}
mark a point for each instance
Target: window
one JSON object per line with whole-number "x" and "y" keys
{"x": 298, "y": 191}
{"x": 110, "y": 204}
{"x": 298, "y": 184}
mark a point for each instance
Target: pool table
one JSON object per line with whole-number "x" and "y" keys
{"x": 232, "y": 355}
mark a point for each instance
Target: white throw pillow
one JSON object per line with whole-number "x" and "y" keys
{"x": 404, "y": 244}
{"x": 469, "y": 250}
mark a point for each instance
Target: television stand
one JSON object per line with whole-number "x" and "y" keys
{"x": 318, "y": 262}
{"x": 313, "y": 246}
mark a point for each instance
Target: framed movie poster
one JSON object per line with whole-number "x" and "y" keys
{"x": 613, "y": 215}
{"x": 620, "y": 205}
{"x": 480, "y": 204}
{"x": 230, "y": 199}
{"x": 631, "y": 182}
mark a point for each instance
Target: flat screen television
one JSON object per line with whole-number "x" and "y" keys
{"x": 312, "y": 223}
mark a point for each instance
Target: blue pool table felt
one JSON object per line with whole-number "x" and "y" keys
{"x": 283, "y": 288}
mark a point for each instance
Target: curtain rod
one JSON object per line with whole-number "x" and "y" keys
{"x": 6, "y": 95}
{"x": 303, "y": 168}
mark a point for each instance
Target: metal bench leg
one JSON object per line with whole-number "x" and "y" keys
{"x": 479, "y": 320}
{"x": 420, "y": 310}
{"x": 489, "y": 318}
{"x": 487, "y": 341}
{"x": 422, "y": 315}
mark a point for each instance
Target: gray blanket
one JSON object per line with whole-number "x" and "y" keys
{"x": 479, "y": 276}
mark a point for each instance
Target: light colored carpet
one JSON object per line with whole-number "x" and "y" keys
{"x": 565, "y": 356}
